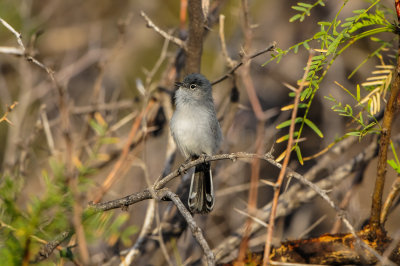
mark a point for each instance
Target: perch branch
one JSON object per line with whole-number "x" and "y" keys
{"x": 294, "y": 197}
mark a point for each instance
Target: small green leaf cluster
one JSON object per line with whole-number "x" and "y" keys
{"x": 304, "y": 10}
{"x": 394, "y": 163}
{"x": 27, "y": 221}
{"x": 364, "y": 126}
{"x": 333, "y": 38}
{"x": 42, "y": 217}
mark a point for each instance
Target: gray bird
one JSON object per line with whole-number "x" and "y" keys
{"x": 196, "y": 131}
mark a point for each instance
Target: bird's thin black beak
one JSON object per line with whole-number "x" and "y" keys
{"x": 178, "y": 84}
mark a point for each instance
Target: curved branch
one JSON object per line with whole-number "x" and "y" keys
{"x": 167, "y": 36}
{"x": 270, "y": 48}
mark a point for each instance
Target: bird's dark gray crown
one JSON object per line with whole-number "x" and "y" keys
{"x": 196, "y": 78}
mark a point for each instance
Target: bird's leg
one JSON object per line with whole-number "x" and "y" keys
{"x": 204, "y": 157}
{"x": 182, "y": 166}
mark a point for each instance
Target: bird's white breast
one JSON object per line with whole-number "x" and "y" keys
{"x": 192, "y": 131}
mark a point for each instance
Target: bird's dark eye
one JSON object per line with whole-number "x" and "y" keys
{"x": 193, "y": 86}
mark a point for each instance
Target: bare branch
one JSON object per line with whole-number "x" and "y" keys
{"x": 231, "y": 63}
{"x": 294, "y": 197}
{"x": 196, "y": 230}
{"x": 13, "y": 31}
{"x": 173, "y": 39}
{"x": 47, "y": 249}
{"x": 195, "y": 39}
{"x": 394, "y": 192}
{"x": 277, "y": 188}
{"x": 230, "y": 72}
{"x": 384, "y": 142}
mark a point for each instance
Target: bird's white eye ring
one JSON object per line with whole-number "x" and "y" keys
{"x": 193, "y": 86}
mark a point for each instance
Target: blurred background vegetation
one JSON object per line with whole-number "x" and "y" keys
{"x": 99, "y": 51}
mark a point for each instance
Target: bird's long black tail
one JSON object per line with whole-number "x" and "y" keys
{"x": 201, "y": 194}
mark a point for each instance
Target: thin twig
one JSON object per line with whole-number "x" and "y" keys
{"x": 284, "y": 166}
{"x": 146, "y": 229}
{"x": 173, "y": 39}
{"x": 13, "y": 31}
{"x": 71, "y": 178}
{"x": 161, "y": 241}
{"x": 341, "y": 173}
{"x": 231, "y": 63}
{"x": 47, "y": 249}
{"x": 253, "y": 192}
{"x": 123, "y": 104}
{"x": 6, "y": 113}
{"x": 271, "y": 47}
{"x": 113, "y": 175}
{"x": 394, "y": 192}
{"x": 255, "y": 103}
{"x": 136, "y": 197}
{"x": 11, "y": 50}
{"x": 157, "y": 65}
{"x": 196, "y": 231}
{"x": 295, "y": 197}
{"x": 47, "y": 130}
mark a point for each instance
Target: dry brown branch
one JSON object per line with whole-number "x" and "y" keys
{"x": 338, "y": 175}
{"x": 195, "y": 38}
{"x": 161, "y": 241}
{"x": 348, "y": 196}
{"x": 196, "y": 231}
{"x": 384, "y": 142}
{"x": 253, "y": 191}
{"x": 47, "y": 129}
{"x": 71, "y": 178}
{"x": 295, "y": 197}
{"x": 9, "y": 109}
{"x": 318, "y": 188}
{"x": 21, "y": 51}
{"x": 231, "y": 63}
{"x": 47, "y": 249}
{"x": 123, "y": 104}
{"x": 394, "y": 192}
{"x": 134, "y": 251}
{"x": 230, "y": 72}
{"x": 173, "y": 39}
{"x": 13, "y": 31}
{"x": 161, "y": 194}
{"x": 111, "y": 178}
{"x": 284, "y": 165}
{"x": 255, "y": 165}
